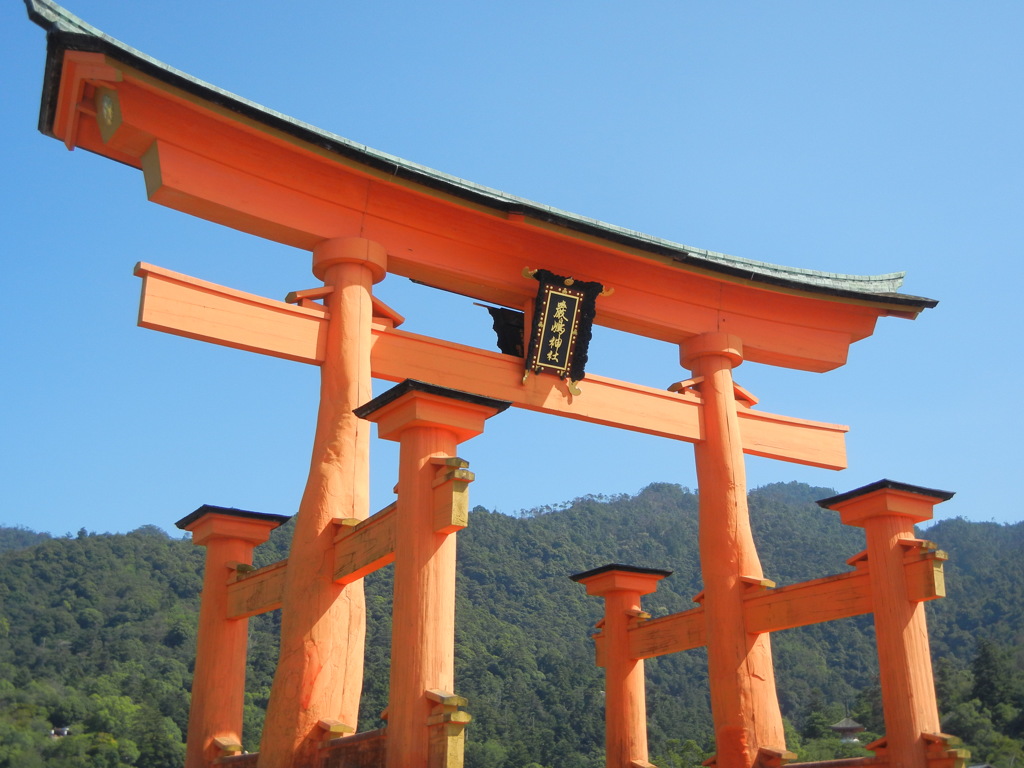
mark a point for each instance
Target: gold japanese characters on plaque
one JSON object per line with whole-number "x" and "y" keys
{"x": 563, "y": 318}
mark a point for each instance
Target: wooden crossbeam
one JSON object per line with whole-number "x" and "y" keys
{"x": 197, "y": 309}
{"x": 184, "y": 306}
{"x": 257, "y": 591}
{"x": 811, "y": 602}
{"x": 361, "y": 547}
{"x": 668, "y": 634}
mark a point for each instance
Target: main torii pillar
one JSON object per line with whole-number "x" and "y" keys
{"x": 744, "y": 704}
{"x": 323, "y": 624}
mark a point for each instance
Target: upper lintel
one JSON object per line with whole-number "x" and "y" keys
{"x": 792, "y": 317}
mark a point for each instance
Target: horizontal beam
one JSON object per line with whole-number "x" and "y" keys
{"x": 811, "y": 602}
{"x": 797, "y": 605}
{"x": 462, "y": 249}
{"x": 668, "y": 634}
{"x": 185, "y": 306}
{"x": 257, "y": 592}
{"x": 361, "y": 547}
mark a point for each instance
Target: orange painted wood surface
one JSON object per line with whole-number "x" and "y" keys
{"x": 424, "y": 601}
{"x": 904, "y": 656}
{"x": 218, "y": 689}
{"x": 81, "y": 71}
{"x": 428, "y": 424}
{"x": 811, "y": 602}
{"x": 320, "y": 668}
{"x": 205, "y": 160}
{"x": 197, "y": 309}
{"x": 625, "y": 694}
{"x": 668, "y": 634}
{"x": 744, "y": 704}
{"x": 467, "y": 253}
{"x": 361, "y": 547}
{"x": 186, "y": 306}
{"x": 796, "y": 605}
{"x": 925, "y": 577}
{"x": 366, "y": 546}
{"x": 888, "y": 512}
{"x": 257, "y": 592}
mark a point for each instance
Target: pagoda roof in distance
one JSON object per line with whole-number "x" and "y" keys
{"x": 847, "y": 724}
{"x": 67, "y": 32}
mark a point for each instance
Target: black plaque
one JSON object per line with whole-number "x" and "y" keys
{"x": 563, "y": 318}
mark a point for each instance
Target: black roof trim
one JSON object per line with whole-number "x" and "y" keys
{"x": 620, "y": 567}
{"x": 415, "y": 385}
{"x": 878, "y": 485}
{"x": 211, "y": 509}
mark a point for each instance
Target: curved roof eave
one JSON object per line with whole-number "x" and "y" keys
{"x": 65, "y": 31}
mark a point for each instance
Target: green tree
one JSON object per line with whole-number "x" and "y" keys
{"x": 680, "y": 754}
{"x": 157, "y": 738}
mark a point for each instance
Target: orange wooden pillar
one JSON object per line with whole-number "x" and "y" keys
{"x": 888, "y": 511}
{"x": 429, "y": 422}
{"x": 320, "y": 669}
{"x": 744, "y": 704}
{"x": 625, "y": 708}
{"x": 218, "y": 684}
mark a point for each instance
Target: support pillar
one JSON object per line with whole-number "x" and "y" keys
{"x": 744, "y": 704}
{"x": 218, "y": 685}
{"x": 888, "y": 511}
{"x": 323, "y": 625}
{"x": 429, "y": 422}
{"x": 625, "y": 697}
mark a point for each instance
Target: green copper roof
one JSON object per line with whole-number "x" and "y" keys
{"x": 65, "y": 31}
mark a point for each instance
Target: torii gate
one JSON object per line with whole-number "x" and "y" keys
{"x": 363, "y": 214}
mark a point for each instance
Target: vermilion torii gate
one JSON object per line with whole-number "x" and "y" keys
{"x": 361, "y": 215}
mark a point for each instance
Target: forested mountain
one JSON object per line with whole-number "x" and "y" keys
{"x": 19, "y": 538}
{"x": 97, "y": 634}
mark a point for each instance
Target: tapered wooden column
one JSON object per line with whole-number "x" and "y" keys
{"x": 744, "y": 704}
{"x": 625, "y": 697}
{"x": 323, "y": 625}
{"x": 429, "y": 422}
{"x": 218, "y": 684}
{"x": 888, "y": 511}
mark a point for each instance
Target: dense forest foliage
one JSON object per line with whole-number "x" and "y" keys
{"x": 97, "y": 637}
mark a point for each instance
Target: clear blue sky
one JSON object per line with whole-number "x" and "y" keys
{"x": 862, "y": 138}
